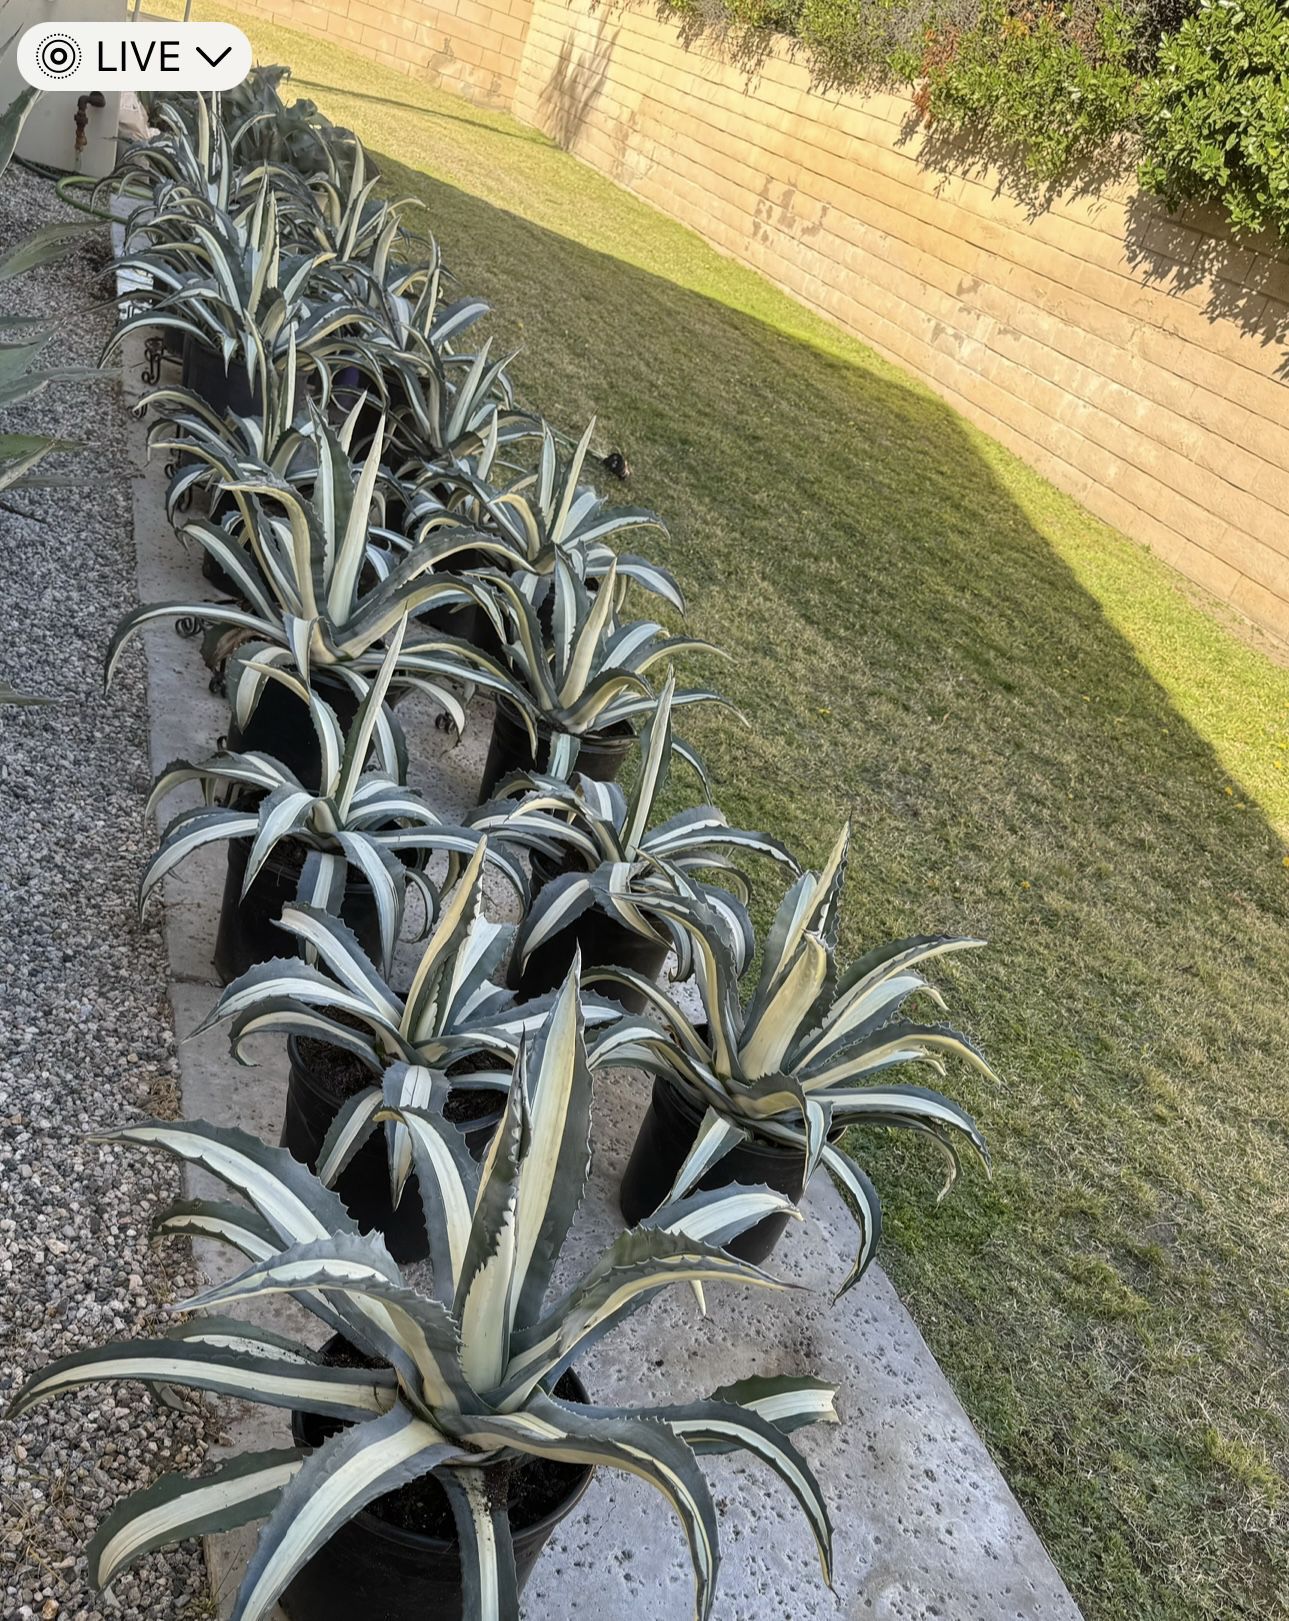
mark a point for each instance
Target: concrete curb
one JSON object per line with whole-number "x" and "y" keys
{"x": 926, "y": 1525}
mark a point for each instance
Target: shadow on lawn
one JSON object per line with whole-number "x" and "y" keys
{"x": 914, "y": 654}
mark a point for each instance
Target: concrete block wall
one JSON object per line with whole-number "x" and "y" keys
{"x": 471, "y": 46}
{"x": 1132, "y": 359}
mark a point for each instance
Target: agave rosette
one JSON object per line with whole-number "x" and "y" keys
{"x": 443, "y": 405}
{"x": 621, "y": 863}
{"x": 467, "y": 1371}
{"x": 365, "y": 819}
{"x": 212, "y": 449}
{"x": 588, "y": 674}
{"x": 315, "y": 593}
{"x": 224, "y": 280}
{"x": 799, "y": 1061}
{"x": 452, "y": 1008}
{"x": 187, "y": 158}
{"x": 541, "y": 513}
{"x": 412, "y": 318}
{"x": 409, "y": 1039}
{"x": 294, "y": 136}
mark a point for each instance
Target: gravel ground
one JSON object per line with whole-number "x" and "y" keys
{"x": 85, "y": 1026}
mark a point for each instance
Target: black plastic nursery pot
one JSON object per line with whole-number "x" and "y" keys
{"x": 603, "y": 942}
{"x": 247, "y": 931}
{"x": 467, "y": 622}
{"x": 218, "y": 576}
{"x": 600, "y": 756}
{"x": 666, "y": 1136}
{"x": 223, "y": 389}
{"x": 210, "y": 569}
{"x": 378, "y": 1567}
{"x": 280, "y": 725}
{"x": 322, "y": 1080}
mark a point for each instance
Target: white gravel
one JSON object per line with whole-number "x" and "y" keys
{"x": 85, "y": 1026}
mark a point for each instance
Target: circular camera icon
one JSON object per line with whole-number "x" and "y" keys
{"x": 58, "y": 56}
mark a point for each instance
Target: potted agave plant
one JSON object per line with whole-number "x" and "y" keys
{"x": 447, "y": 1408}
{"x": 600, "y": 861}
{"x": 442, "y": 405}
{"x": 209, "y": 451}
{"x": 212, "y": 454}
{"x": 452, "y": 1031}
{"x": 287, "y": 135}
{"x": 194, "y": 155}
{"x": 570, "y": 696}
{"x": 349, "y": 846}
{"x": 339, "y": 213}
{"x": 222, "y": 281}
{"x": 211, "y": 448}
{"x": 762, "y": 1090}
{"x": 411, "y": 315}
{"x": 188, "y": 166}
{"x": 540, "y": 514}
{"x": 315, "y": 595}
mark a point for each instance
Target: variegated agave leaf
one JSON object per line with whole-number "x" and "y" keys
{"x": 13, "y": 118}
{"x": 469, "y": 1369}
{"x": 9, "y": 694}
{"x": 804, "y": 1057}
{"x": 361, "y": 817}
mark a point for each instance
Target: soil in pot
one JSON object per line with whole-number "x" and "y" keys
{"x": 248, "y": 931}
{"x": 667, "y": 1134}
{"x": 397, "y": 1559}
{"x": 603, "y": 942}
{"x": 322, "y": 1079}
{"x": 600, "y": 756}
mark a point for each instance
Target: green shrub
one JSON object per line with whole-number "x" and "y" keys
{"x": 1215, "y": 114}
{"x": 1197, "y": 89}
{"x": 1057, "y": 86}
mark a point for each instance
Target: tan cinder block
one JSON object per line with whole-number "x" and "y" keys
{"x": 508, "y": 27}
{"x": 378, "y": 39}
{"x": 343, "y": 28}
{"x": 475, "y": 11}
{"x": 1265, "y": 607}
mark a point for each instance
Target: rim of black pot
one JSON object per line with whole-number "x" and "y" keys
{"x": 308, "y": 1077}
{"x": 621, "y": 731}
{"x": 537, "y": 859}
{"x": 372, "y": 1525}
{"x": 280, "y": 867}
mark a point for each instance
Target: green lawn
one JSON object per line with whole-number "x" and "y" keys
{"x": 1041, "y": 738}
